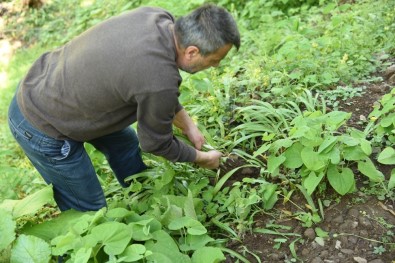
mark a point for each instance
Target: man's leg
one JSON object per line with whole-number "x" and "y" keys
{"x": 122, "y": 152}
{"x": 62, "y": 163}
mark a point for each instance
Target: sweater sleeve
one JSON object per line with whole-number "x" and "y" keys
{"x": 155, "y": 114}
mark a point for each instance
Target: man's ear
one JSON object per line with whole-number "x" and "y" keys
{"x": 191, "y": 51}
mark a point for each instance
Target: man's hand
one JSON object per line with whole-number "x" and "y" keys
{"x": 209, "y": 160}
{"x": 189, "y": 128}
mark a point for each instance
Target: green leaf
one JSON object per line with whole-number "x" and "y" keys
{"x": 312, "y": 159}
{"x": 118, "y": 212}
{"x": 114, "y": 236}
{"x": 354, "y": 153}
{"x": 321, "y": 233}
{"x": 57, "y": 226}
{"x": 391, "y": 183}
{"x": 387, "y": 156}
{"x": 312, "y": 181}
{"x": 327, "y": 144}
{"x": 30, "y": 204}
{"x": 164, "y": 249}
{"x": 192, "y": 243}
{"x": 367, "y": 168}
{"x": 389, "y": 120}
{"x": 208, "y": 255}
{"x": 7, "y": 229}
{"x": 193, "y": 226}
{"x": 274, "y": 162}
{"x": 343, "y": 181}
{"x": 366, "y": 147}
{"x": 83, "y": 255}
{"x": 293, "y": 159}
{"x": 30, "y": 249}
{"x": 133, "y": 253}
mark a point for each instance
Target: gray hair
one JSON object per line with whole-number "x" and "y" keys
{"x": 209, "y": 28}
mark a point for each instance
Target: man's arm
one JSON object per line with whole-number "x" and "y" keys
{"x": 208, "y": 159}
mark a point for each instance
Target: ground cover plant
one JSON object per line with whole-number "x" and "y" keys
{"x": 304, "y": 114}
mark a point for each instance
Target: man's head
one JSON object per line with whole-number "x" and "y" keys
{"x": 204, "y": 37}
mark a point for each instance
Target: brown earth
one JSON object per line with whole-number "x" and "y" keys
{"x": 360, "y": 226}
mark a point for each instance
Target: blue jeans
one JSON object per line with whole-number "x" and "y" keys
{"x": 66, "y": 165}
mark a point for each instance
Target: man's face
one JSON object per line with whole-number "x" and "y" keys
{"x": 194, "y": 62}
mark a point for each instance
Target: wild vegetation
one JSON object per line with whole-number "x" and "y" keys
{"x": 271, "y": 107}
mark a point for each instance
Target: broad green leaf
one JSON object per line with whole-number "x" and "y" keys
{"x": 336, "y": 118}
{"x": 293, "y": 159}
{"x": 334, "y": 156}
{"x": 59, "y": 225}
{"x": 193, "y": 226}
{"x": 354, "y": 153}
{"x": 312, "y": 181}
{"x": 189, "y": 207}
{"x": 164, "y": 249}
{"x": 279, "y": 144}
{"x": 349, "y": 140}
{"x": 141, "y": 230}
{"x": 7, "y": 229}
{"x": 391, "y": 183}
{"x": 367, "y": 168}
{"x": 321, "y": 233}
{"x": 208, "y": 255}
{"x": 118, "y": 212}
{"x": 388, "y": 120}
{"x": 387, "y": 156}
{"x": 312, "y": 160}
{"x": 274, "y": 162}
{"x": 327, "y": 144}
{"x": 30, "y": 204}
{"x": 133, "y": 253}
{"x": 30, "y": 249}
{"x": 114, "y": 236}
{"x": 192, "y": 242}
{"x": 366, "y": 147}
{"x": 83, "y": 255}
{"x": 342, "y": 181}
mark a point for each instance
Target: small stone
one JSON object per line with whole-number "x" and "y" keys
{"x": 347, "y": 251}
{"x": 391, "y": 80}
{"x": 317, "y": 260}
{"x": 353, "y": 239}
{"x": 324, "y": 253}
{"x": 376, "y": 261}
{"x": 247, "y": 170}
{"x": 339, "y": 219}
{"x": 360, "y": 260}
{"x": 309, "y": 233}
{"x": 390, "y": 70}
{"x": 364, "y": 222}
{"x": 353, "y": 212}
{"x": 305, "y": 252}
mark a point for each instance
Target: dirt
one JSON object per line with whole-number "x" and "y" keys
{"x": 360, "y": 226}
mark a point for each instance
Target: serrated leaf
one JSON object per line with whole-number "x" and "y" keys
{"x": 387, "y": 156}
{"x": 342, "y": 181}
{"x": 208, "y": 255}
{"x": 30, "y": 249}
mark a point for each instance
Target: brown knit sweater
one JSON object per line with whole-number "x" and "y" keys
{"x": 120, "y": 71}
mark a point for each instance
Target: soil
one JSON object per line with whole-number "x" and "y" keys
{"x": 360, "y": 226}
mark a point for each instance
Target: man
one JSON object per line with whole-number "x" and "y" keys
{"x": 121, "y": 71}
